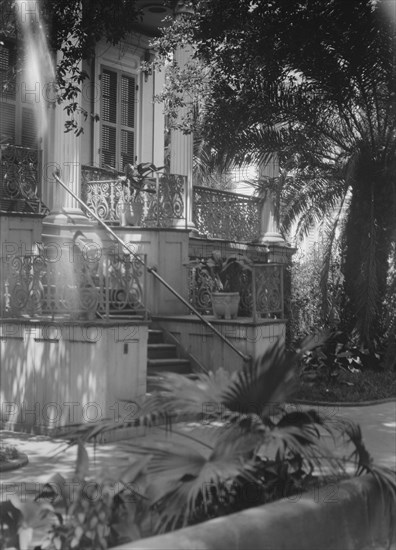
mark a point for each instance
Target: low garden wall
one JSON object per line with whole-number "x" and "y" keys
{"x": 351, "y": 515}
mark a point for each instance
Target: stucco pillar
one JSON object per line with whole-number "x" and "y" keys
{"x": 66, "y": 219}
{"x": 181, "y": 145}
{"x": 269, "y": 221}
{"x": 64, "y": 159}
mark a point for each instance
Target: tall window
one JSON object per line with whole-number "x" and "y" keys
{"x": 118, "y": 99}
{"x": 17, "y": 123}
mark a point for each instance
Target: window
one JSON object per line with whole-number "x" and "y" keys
{"x": 16, "y": 114}
{"x": 118, "y": 100}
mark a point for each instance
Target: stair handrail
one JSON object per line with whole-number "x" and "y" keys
{"x": 152, "y": 271}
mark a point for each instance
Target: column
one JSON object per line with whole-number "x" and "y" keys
{"x": 64, "y": 159}
{"x": 269, "y": 221}
{"x": 181, "y": 145}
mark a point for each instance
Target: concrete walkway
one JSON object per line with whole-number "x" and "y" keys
{"x": 48, "y": 456}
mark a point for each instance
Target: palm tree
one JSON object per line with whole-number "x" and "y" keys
{"x": 319, "y": 80}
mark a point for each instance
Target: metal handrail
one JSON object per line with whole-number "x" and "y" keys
{"x": 241, "y": 196}
{"x": 153, "y": 272}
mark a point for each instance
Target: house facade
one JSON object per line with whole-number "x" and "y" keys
{"x": 79, "y": 312}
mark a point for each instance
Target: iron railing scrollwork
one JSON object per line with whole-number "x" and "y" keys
{"x": 226, "y": 215}
{"x": 32, "y": 286}
{"x": 107, "y": 196}
{"x": 260, "y": 289}
{"x": 19, "y": 176}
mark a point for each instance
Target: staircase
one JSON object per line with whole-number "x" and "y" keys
{"x": 162, "y": 357}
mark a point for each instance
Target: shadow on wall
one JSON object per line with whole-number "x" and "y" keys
{"x": 53, "y": 374}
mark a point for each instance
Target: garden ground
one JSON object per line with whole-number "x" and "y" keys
{"x": 48, "y": 456}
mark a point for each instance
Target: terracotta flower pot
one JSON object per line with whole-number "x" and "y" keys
{"x": 225, "y": 304}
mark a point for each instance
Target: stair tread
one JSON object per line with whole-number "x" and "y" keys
{"x": 167, "y": 361}
{"x": 158, "y": 345}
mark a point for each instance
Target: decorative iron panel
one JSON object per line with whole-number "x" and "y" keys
{"x": 32, "y": 286}
{"x": 263, "y": 299}
{"x": 268, "y": 294}
{"x": 226, "y": 215}
{"x": 106, "y": 196}
{"x": 19, "y": 177}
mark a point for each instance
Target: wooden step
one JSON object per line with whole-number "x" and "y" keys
{"x": 155, "y": 336}
{"x": 161, "y": 351}
{"x": 172, "y": 364}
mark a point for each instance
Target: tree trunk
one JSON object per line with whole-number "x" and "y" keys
{"x": 368, "y": 240}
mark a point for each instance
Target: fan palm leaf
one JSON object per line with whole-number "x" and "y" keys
{"x": 182, "y": 474}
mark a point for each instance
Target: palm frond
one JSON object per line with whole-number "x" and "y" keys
{"x": 181, "y": 475}
{"x": 177, "y": 394}
{"x": 262, "y": 385}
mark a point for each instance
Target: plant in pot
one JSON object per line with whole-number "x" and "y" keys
{"x": 135, "y": 179}
{"x": 223, "y": 279}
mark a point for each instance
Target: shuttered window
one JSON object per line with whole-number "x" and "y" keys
{"x": 118, "y": 98}
{"x": 17, "y": 120}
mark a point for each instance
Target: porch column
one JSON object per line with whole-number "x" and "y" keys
{"x": 181, "y": 145}
{"x": 64, "y": 159}
{"x": 66, "y": 219}
{"x": 269, "y": 220}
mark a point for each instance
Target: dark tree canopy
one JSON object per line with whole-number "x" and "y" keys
{"x": 315, "y": 81}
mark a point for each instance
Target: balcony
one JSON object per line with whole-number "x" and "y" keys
{"x": 226, "y": 215}
{"x": 108, "y": 198}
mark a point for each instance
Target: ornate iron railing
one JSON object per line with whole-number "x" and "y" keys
{"x": 34, "y": 286}
{"x": 226, "y": 215}
{"x": 112, "y": 201}
{"x": 260, "y": 289}
{"x": 19, "y": 179}
{"x": 267, "y": 291}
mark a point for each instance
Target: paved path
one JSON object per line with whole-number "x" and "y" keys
{"x": 378, "y": 423}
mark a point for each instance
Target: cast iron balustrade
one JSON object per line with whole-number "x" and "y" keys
{"x": 261, "y": 291}
{"x": 19, "y": 177}
{"x": 35, "y": 286}
{"x": 107, "y": 196}
{"x": 226, "y": 215}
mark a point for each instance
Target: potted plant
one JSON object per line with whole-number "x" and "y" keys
{"x": 135, "y": 180}
{"x": 223, "y": 277}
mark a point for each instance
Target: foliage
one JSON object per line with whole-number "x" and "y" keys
{"x": 390, "y": 321}
{"x": 83, "y": 513}
{"x": 314, "y": 81}
{"x": 137, "y": 178}
{"x": 339, "y": 355}
{"x": 353, "y": 386}
{"x": 74, "y": 28}
{"x": 223, "y": 274}
{"x": 249, "y": 447}
{"x": 7, "y": 452}
{"x": 316, "y": 291}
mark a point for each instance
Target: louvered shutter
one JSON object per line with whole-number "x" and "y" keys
{"x": 117, "y": 141}
{"x": 29, "y": 133}
{"x": 127, "y": 120}
{"x": 108, "y": 143}
{"x": 7, "y": 94}
{"x": 17, "y": 122}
